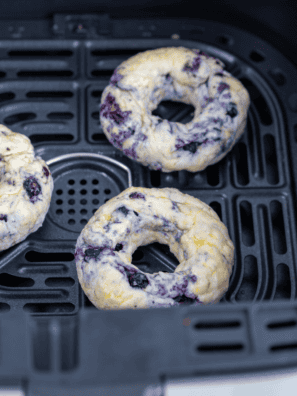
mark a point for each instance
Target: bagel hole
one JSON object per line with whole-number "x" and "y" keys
{"x": 154, "y": 257}
{"x": 175, "y": 111}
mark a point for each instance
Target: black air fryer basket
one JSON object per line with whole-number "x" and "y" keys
{"x": 51, "y": 337}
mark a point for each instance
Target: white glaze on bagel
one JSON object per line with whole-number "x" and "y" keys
{"x": 26, "y": 187}
{"x": 140, "y": 216}
{"x": 140, "y": 83}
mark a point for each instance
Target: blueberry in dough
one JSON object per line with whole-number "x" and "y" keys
{"x": 192, "y": 147}
{"x": 110, "y": 109}
{"x": 45, "y": 171}
{"x": 32, "y": 188}
{"x": 184, "y": 300}
{"x": 93, "y": 253}
{"x": 115, "y": 78}
{"x": 124, "y": 210}
{"x": 138, "y": 280}
{"x": 118, "y": 247}
{"x": 232, "y": 110}
{"x": 194, "y": 67}
{"x": 136, "y": 214}
{"x": 222, "y": 87}
{"x": 137, "y": 196}
{"x": 3, "y": 217}
{"x": 202, "y": 53}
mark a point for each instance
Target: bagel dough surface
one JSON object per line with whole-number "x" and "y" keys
{"x": 26, "y": 187}
{"x": 190, "y": 76}
{"x": 140, "y": 216}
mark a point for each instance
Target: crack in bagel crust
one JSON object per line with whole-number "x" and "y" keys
{"x": 188, "y": 75}
{"x": 26, "y": 186}
{"x": 140, "y": 216}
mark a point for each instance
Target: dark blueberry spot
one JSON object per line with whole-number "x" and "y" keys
{"x": 115, "y": 78}
{"x": 219, "y": 74}
{"x": 93, "y": 253}
{"x": 110, "y": 109}
{"x": 217, "y": 129}
{"x": 78, "y": 253}
{"x": 184, "y": 300}
{"x": 232, "y": 110}
{"x": 32, "y": 188}
{"x": 130, "y": 152}
{"x": 118, "y": 247}
{"x": 222, "y": 87}
{"x": 194, "y": 67}
{"x": 3, "y": 217}
{"x": 136, "y": 195}
{"x": 135, "y": 213}
{"x": 138, "y": 280}
{"x": 8, "y": 149}
{"x": 174, "y": 206}
{"x": 168, "y": 77}
{"x": 192, "y": 147}
{"x": 132, "y": 131}
{"x": 204, "y": 54}
{"x": 124, "y": 210}
{"x": 45, "y": 171}
{"x": 106, "y": 227}
{"x": 206, "y": 83}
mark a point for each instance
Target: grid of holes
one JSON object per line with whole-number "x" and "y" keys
{"x": 83, "y": 192}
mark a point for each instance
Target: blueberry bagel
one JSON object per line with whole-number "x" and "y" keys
{"x": 140, "y": 83}
{"x": 140, "y": 216}
{"x": 26, "y": 187}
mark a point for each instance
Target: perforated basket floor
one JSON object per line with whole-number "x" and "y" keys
{"x": 50, "y": 90}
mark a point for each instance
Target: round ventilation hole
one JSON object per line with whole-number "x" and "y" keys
{"x": 225, "y": 40}
{"x": 73, "y": 214}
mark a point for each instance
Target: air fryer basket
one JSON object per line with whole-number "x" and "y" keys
{"x": 51, "y": 83}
